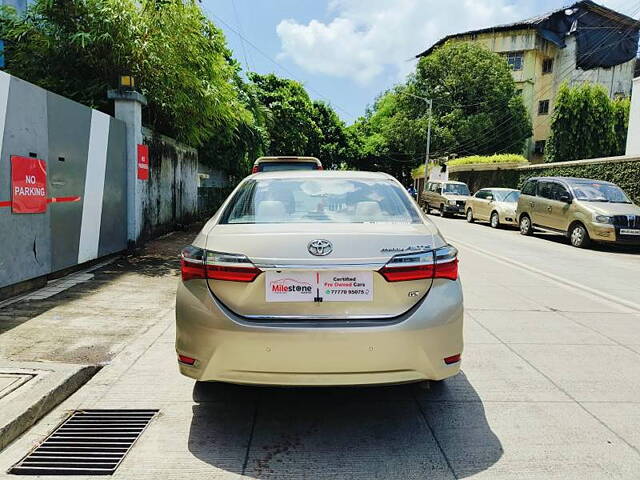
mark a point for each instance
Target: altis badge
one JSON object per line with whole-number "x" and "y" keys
{"x": 410, "y": 248}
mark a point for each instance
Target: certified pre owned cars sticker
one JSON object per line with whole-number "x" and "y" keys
{"x": 319, "y": 286}
{"x": 346, "y": 286}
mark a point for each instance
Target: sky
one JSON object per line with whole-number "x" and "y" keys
{"x": 347, "y": 52}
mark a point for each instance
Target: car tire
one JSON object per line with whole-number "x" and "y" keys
{"x": 470, "y": 218}
{"x": 525, "y": 225}
{"x": 578, "y": 236}
{"x": 494, "y": 221}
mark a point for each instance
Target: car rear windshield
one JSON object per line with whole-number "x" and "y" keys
{"x": 280, "y": 166}
{"x": 329, "y": 200}
{"x": 599, "y": 192}
{"x": 456, "y": 189}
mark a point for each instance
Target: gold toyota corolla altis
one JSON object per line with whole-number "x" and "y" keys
{"x": 319, "y": 278}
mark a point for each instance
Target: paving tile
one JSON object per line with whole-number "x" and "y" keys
{"x": 521, "y": 440}
{"x": 492, "y": 372}
{"x": 623, "y": 418}
{"x": 347, "y": 437}
{"x": 537, "y": 327}
{"x": 623, "y": 328}
{"x": 588, "y": 372}
{"x": 555, "y": 297}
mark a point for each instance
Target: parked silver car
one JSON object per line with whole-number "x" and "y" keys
{"x": 319, "y": 278}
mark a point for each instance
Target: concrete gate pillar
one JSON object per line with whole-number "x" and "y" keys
{"x": 128, "y": 108}
{"x": 633, "y": 134}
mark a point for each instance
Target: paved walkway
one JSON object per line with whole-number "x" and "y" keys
{"x": 549, "y": 390}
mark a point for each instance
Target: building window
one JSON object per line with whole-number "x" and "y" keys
{"x": 538, "y": 148}
{"x": 547, "y": 65}
{"x": 543, "y": 107}
{"x": 515, "y": 60}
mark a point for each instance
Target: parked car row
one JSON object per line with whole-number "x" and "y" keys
{"x": 582, "y": 209}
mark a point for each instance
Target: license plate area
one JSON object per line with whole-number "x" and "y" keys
{"x": 321, "y": 286}
{"x": 629, "y": 231}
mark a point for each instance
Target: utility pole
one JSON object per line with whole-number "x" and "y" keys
{"x": 429, "y": 103}
{"x": 426, "y": 157}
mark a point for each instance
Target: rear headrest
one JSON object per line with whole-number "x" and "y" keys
{"x": 270, "y": 211}
{"x": 365, "y": 210}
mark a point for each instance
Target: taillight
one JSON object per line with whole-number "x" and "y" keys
{"x": 453, "y": 359}
{"x": 440, "y": 263}
{"x": 319, "y": 167}
{"x": 255, "y": 169}
{"x": 199, "y": 263}
{"x": 192, "y": 263}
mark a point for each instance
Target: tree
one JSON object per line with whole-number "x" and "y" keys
{"x": 476, "y": 108}
{"x": 476, "y": 111}
{"x": 291, "y": 126}
{"x": 336, "y": 145}
{"x": 179, "y": 59}
{"x": 586, "y": 123}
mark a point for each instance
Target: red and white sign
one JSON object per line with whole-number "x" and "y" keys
{"x": 143, "y": 162}
{"x": 28, "y": 185}
{"x": 319, "y": 286}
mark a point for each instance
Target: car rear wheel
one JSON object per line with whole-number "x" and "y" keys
{"x": 470, "y": 218}
{"x": 525, "y": 225}
{"x": 579, "y": 236}
{"x": 495, "y": 220}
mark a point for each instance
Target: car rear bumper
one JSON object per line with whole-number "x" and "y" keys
{"x": 229, "y": 349}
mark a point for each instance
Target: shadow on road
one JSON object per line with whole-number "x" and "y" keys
{"x": 402, "y": 431}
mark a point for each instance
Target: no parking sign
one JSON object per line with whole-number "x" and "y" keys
{"x": 28, "y": 185}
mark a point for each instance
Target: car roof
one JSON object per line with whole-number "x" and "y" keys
{"x": 501, "y": 189}
{"x": 287, "y": 159}
{"x": 572, "y": 180}
{"x": 447, "y": 181}
{"x": 345, "y": 174}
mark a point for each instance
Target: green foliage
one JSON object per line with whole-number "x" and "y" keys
{"x": 586, "y": 123}
{"x": 291, "y": 126}
{"x": 336, "y": 148}
{"x": 623, "y": 174}
{"x": 77, "y": 48}
{"x": 501, "y": 158}
{"x": 476, "y": 110}
{"x": 476, "y": 107}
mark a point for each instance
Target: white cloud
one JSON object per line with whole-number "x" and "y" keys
{"x": 366, "y": 38}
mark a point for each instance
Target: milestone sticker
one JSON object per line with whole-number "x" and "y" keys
{"x": 290, "y": 286}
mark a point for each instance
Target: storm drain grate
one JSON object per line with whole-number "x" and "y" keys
{"x": 89, "y": 442}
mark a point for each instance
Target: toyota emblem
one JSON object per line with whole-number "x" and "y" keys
{"x": 320, "y": 248}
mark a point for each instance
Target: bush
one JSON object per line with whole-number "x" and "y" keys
{"x": 586, "y": 123}
{"x": 503, "y": 158}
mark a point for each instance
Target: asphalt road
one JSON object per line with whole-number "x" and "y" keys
{"x": 550, "y": 389}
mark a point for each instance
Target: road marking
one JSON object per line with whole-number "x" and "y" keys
{"x": 617, "y": 301}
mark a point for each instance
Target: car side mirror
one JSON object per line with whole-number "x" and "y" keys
{"x": 490, "y": 198}
{"x": 565, "y": 198}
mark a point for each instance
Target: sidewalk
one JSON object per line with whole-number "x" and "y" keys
{"x": 53, "y": 340}
{"x": 91, "y": 321}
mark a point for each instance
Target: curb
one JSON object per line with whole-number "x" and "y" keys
{"x": 48, "y": 392}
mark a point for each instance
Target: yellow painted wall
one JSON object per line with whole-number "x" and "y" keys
{"x": 537, "y": 86}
